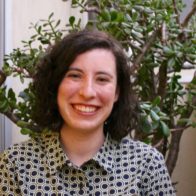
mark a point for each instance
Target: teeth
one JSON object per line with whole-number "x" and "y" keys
{"x": 84, "y": 108}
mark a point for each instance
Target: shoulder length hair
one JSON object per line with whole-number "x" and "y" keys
{"x": 52, "y": 68}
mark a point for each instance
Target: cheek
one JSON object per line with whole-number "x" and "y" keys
{"x": 66, "y": 89}
{"x": 108, "y": 95}
{"x": 59, "y": 98}
{"x": 61, "y": 90}
{"x": 62, "y": 94}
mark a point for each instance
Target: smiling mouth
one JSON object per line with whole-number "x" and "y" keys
{"x": 85, "y": 109}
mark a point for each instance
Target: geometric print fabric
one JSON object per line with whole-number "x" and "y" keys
{"x": 39, "y": 167}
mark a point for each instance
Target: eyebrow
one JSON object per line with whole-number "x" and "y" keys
{"x": 74, "y": 69}
{"x": 98, "y": 73}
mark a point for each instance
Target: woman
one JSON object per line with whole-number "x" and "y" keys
{"x": 83, "y": 95}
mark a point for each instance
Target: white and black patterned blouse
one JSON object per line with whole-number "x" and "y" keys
{"x": 40, "y": 167}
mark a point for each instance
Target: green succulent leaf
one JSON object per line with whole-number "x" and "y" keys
{"x": 154, "y": 116}
{"x": 165, "y": 129}
{"x": 145, "y": 124}
{"x": 72, "y": 20}
{"x": 4, "y": 106}
{"x": 25, "y": 131}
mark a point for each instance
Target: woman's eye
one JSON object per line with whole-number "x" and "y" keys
{"x": 103, "y": 80}
{"x": 73, "y": 75}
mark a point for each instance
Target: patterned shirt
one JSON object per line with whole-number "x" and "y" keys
{"x": 39, "y": 167}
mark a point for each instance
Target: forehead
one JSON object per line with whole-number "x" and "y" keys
{"x": 96, "y": 58}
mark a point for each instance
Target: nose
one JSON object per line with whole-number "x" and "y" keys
{"x": 87, "y": 89}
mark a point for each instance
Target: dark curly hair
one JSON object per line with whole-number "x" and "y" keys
{"x": 52, "y": 68}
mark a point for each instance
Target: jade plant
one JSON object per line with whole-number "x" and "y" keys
{"x": 158, "y": 44}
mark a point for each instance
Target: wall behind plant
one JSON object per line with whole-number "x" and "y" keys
{"x": 185, "y": 172}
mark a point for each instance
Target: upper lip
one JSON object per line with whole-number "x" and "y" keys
{"x": 86, "y": 105}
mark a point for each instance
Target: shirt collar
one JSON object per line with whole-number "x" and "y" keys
{"x": 57, "y": 159}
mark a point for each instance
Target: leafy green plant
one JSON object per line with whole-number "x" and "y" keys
{"x": 158, "y": 45}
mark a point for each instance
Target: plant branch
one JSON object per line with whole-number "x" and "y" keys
{"x": 2, "y": 77}
{"x": 92, "y": 9}
{"x": 23, "y": 71}
{"x": 174, "y": 151}
{"x": 12, "y": 116}
{"x": 180, "y": 128}
{"x": 189, "y": 15}
{"x": 171, "y": 130}
{"x": 191, "y": 62}
{"x": 162, "y": 79}
{"x": 159, "y": 143}
{"x": 53, "y": 30}
{"x": 164, "y": 33}
{"x": 146, "y": 47}
{"x": 89, "y": 9}
{"x": 131, "y": 44}
{"x": 175, "y": 141}
{"x": 176, "y": 12}
{"x": 174, "y": 148}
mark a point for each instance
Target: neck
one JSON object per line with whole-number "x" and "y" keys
{"x": 81, "y": 146}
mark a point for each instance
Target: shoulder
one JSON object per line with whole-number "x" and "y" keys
{"x": 29, "y": 149}
{"x": 139, "y": 151}
{"x": 147, "y": 159}
{"x": 149, "y": 166}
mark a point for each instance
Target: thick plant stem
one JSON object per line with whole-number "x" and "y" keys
{"x": 189, "y": 15}
{"x": 174, "y": 151}
{"x": 136, "y": 64}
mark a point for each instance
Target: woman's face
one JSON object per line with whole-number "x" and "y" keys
{"x": 88, "y": 91}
